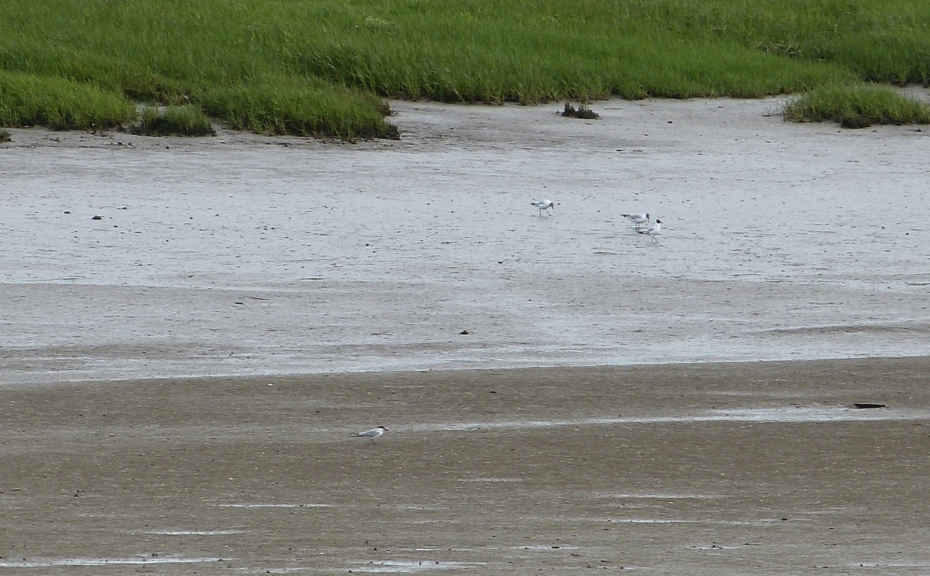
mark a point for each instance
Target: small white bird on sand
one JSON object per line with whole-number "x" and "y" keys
{"x": 373, "y": 433}
{"x": 544, "y": 205}
{"x": 653, "y": 231}
{"x": 638, "y": 219}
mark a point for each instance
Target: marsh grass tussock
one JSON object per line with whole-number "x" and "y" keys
{"x": 301, "y": 107}
{"x": 58, "y": 103}
{"x": 324, "y": 67}
{"x": 174, "y": 121}
{"x": 857, "y": 106}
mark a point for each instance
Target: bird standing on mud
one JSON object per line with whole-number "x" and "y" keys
{"x": 653, "y": 231}
{"x": 543, "y": 205}
{"x": 637, "y": 219}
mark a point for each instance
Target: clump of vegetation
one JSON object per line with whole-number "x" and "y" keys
{"x": 582, "y": 112}
{"x": 61, "y": 104}
{"x": 857, "y": 107}
{"x": 174, "y": 121}
{"x": 300, "y": 107}
{"x": 5, "y": 136}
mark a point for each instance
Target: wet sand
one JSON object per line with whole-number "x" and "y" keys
{"x": 251, "y": 255}
{"x": 734, "y": 468}
{"x": 180, "y": 377}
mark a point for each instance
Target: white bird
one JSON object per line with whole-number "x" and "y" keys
{"x": 653, "y": 231}
{"x": 543, "y": 205}
{"x": 373, "y": 433}
{"x": 638, "y": 219}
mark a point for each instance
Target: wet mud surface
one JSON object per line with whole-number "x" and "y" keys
{"x": 752, "y": 468}
{"x": 251, "y": 255}
{"x": 130, "y": 265}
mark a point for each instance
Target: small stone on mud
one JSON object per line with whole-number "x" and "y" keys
{"x": 463, "y": 332}
{"x": 95, "y": 217}
{"x": 867, "y": 405}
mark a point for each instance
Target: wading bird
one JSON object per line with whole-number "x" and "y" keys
{"x": 544, "y": 205}
{"x": 638, "y": 219}
{"x": 653, "y": 231}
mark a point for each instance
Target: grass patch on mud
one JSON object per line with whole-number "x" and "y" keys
{"x": 174, "y": 121}
{"x": 322, "y": 68}
{"x": 857, "y": 107}
{"x": 61, "y": 104}
{"x": 300, "y": 107}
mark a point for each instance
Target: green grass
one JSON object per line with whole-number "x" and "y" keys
{"x": 174, "y": 121}
{"x": 322, "y": 67}
{"x": 300, "y": 106}
{"x": 857, "y": 107}
{"x": 59, "y": 103}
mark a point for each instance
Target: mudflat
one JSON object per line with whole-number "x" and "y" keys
{"x": 254, "y": 255}
{"x": 729, "y": 468}
{"x": 304, "y": 283}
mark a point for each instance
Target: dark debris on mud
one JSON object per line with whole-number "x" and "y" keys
{"x": 581, "y": 112}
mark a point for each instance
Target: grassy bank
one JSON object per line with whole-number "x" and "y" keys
{"x": 857, "y": 107}
{"x": 60, "y": 103}
{"x": 174, "y": 121}
{"x": 322, "y": 67}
